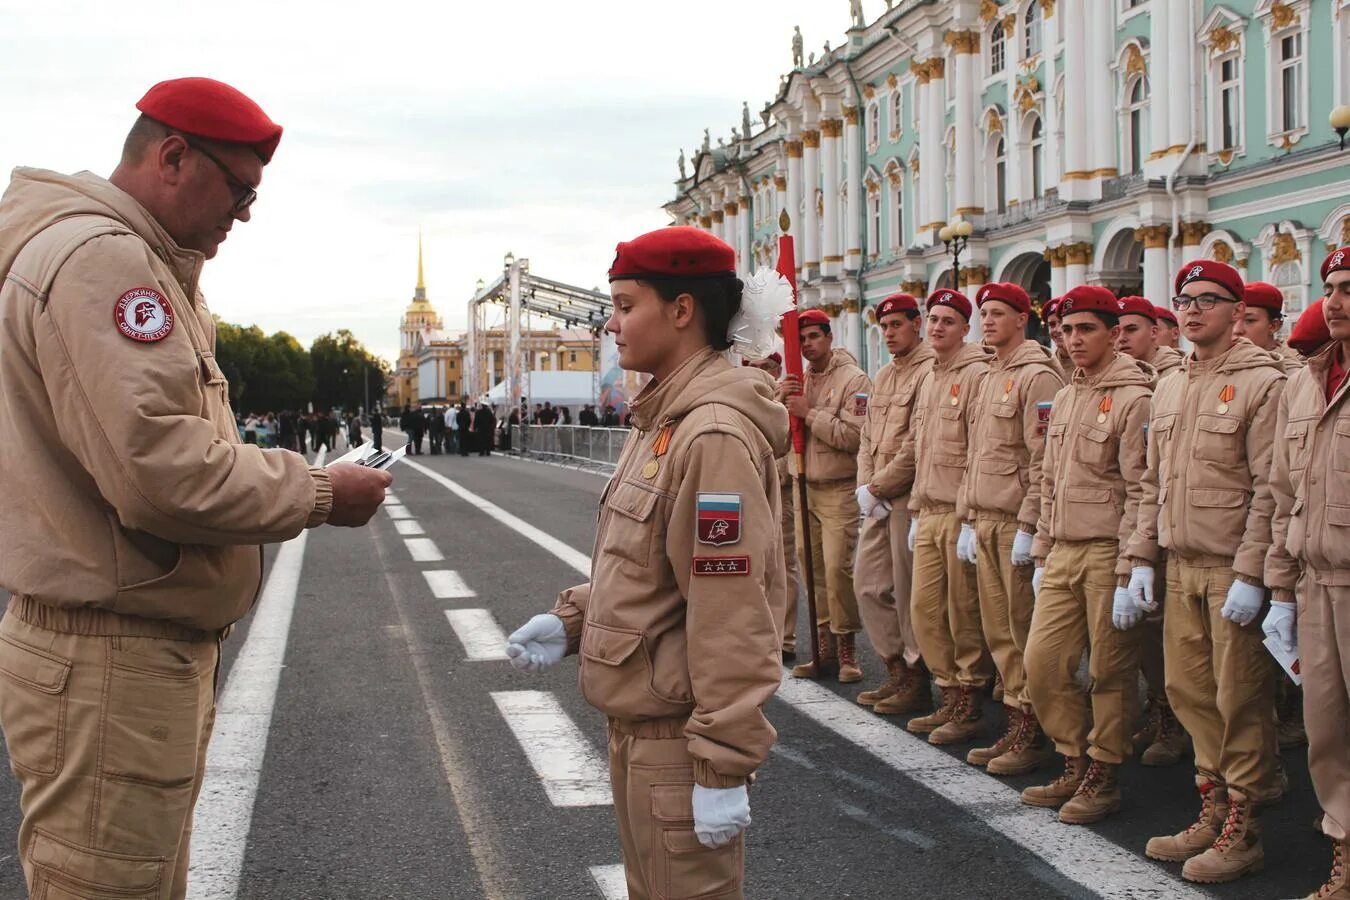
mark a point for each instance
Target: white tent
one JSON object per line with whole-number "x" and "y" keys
{"x": 574, "y": 389}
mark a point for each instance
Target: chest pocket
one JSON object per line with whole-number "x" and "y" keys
{"x": 630, "y": 528}
{"x": 1095, "y": 447}
{"x": 1340, "y": 447}
{"x": 1217, "y": 438}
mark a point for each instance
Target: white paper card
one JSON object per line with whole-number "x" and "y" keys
{"x": 1287, "y": 660}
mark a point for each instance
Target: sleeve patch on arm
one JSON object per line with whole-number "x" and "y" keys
{"x": 1043, "y": 410}
{"x": 721, "y": 565}
{"x": 719, "y": 519}
{"x": 143, "y": 314}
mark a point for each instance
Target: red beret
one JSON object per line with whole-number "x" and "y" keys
{"x": 897, "y": 303}
{"x": 1266, "y": 296}
{"x": 951, "y": 299}
{"x": 1163, "y": 314}
{"x": 1138, "y": 306}
{"x": 213, "y": 110}
{"x": 1310, "y": 332}
{"x": 1011, "y": 294}
{"x": 678, "y": 251}
{"x": 1051, "y": 307}
{"x": 1336, "y": 261}
{"x": 1225, "y": 276}
{"x": 813, "y": 316}
{"x": 1089, "y": 298}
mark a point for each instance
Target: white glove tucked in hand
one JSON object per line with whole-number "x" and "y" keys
{"x": 1243, "y": 603}
{"x": 867, "y": 500}
{"x": 538, "y": 644}
{"x": 965, "y": 544}
{"x": 720, "y": 814}
{"x": 1281, "y": 623}
{"x": 1021, "y": 549}
{"x": 1141, "y": 588}
{"x": 1036, "y": 578}
{"x": 882, "y": 509}
{"x": 913, "y": 532}
{"x": 1124, "y": 613}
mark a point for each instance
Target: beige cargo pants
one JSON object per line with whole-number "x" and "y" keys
{"x": 945, "y": 606}
{"x": 1006, "y": 603}
{"x": 1324, "y": 652}
{"x": 834, "y": 538}
{"x": 882, "y": 576}
{"x": 107, "y": 737}
{"x": 794, "y": 576}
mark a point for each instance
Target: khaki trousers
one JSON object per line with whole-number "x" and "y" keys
{"x": 944, "y": 605}
{"x": 652, "y": 776}
{"x": 1151, "y": 637}
{"x": 1220, "y": 680}
{"x": 107, "y": 737}
{"x": 794, "y": 576}
{"x": 1324, "y": 652}
{"x": 1073, "y": 613}
{"x": 834, "y": 537}
{"x": 1006, "y": 604}
{"x": 882, "y": 575}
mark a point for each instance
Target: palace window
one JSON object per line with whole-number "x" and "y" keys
{"x": 897, "y": 110}
{"x": 873, "y": 124}
{"x": 572, "y": 356}
{"x": 1001, "y": 174}
{"x": 1031, "y": 30}
{"x": 1230, "y": 103}
{"x": 1290, "y": 85}
{"x": 1136, "y": 119}
{"x": 874, "y": 222}
{"x": 996, "y": 49}
{"x": 898, "y": 216}
{"x": 1037, "y": 158}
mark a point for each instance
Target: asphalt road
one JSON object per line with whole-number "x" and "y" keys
{"x": 394, "y": 764}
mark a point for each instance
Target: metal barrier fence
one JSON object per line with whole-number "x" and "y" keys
{"x": 576, "y": 444}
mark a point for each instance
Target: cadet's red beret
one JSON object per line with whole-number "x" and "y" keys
{"x": 813, "y": 316}
{"x": 1051, "y": 307}
{"x": 678, "y": 251}
{"x": 1225, "y": 276}
{"x": 1009, "y": 293}
{"x": 1266, "y": 296}
{"x": 1310, "y": 332}
{"x": 897, "y": 303}
{"x": 1163, "y": 314}
{"x": 1089, "y": 298}
{"x": 1138, "y": 306}
{"x": 952, "y": 300}
{"x": 213, "y": 110}
{"x": 1336, "y": 261}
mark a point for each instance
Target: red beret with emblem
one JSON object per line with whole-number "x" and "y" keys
{"x": 1009, "y": 293}
{"x": 813, "y": 316}
{"x": 1163, "y": 314}
{"x": 1050, "y": 307}
{"x": 1215, "y": 272}
{"x": 952, "y": 300}
{"x": 678, "y": 251}
{"x": 211, "y": 109}
{"x": 1267, "y": 296}
{"x": 1137, "y": 306}
{"x": 1336, "y": 261}
{"x": 1310, "y": 332}
{"x": 1089, "y": 298}
{"x": 897, "y": 303}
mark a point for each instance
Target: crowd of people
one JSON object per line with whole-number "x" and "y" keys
{"x": 303, "y": 432}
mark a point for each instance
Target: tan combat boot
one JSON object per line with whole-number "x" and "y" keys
{"x": 1201, "y": 834}
{"x": 1169, "y": 741}
{"x": 896, "y": 674}
{"x": 1031, "y": 750}
{"x": 964, "y": 723}
{"x": 849, "y": 670}
{"x": 1148, "y": 732}
{"x": 1238, "y": 850}
{"x": 828, "y": 660}
{"x": 1061, "y": 790}
{"x": 1337, "y": 886}
{"x": 915, "y": 694}
{"x": 940, "y": 716}
{"x": 981, "y": 756}
{"x": 1098, "y": 796}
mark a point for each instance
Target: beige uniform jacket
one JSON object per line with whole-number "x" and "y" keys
{"x": 1095, "y": 457}
{"x": 1007, "y": 437}
{"x": 834, "y": 424}
{"x": 125, "y": 485}
{"x": 680, "y": 617}
{"x": 1166, "y": 360}
{"x": 1207, "y": 489}
{"x": 1310, "y": 478}
{"x": 1290, "y": 360}
{"x": 887, "y": 472}
{"x": 938, "y": 443}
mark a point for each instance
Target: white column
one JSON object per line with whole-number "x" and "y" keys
{"x": 733, "y": 230}
{"x": 1075, "y": 273}
{"x": 832, "y": 258}
{"x": 1053, "y": 149}
{"x": 810, "y": 244}
{"x": 977, "y": 274}
{"x": 747, "y": 222}
{"x": 919, "y": 195}
{"x": 853, "y": 153}
{"x": 933, "y": 152}
{"x": 967, "y": 45}
{"x": 1057, "y": 273}
{"x": 1179, "y": 76}
{"x": 1012, "y": 124}
{"x": 1160, "y": 97}
{"x": 1157, "y": 278}
{"x": 1100, "y": 38}
{"x": 850, "y": 322}
{"x": 794, "y": 199}
{"x": 1077, "y": 168}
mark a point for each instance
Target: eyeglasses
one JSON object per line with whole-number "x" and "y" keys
{"x": 1203, "y": 302}
{"x": 244, "y": 194}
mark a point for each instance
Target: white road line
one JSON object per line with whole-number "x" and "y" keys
{"x": 423, "y": 550}
{"x": 570, "y": 768}
{"x": 1108, "y": 870}
{"x": 398, "y": 512}
{"x": 390, "y": 499}
{"x": 447, "y": 585}
{"x": 234, "y": 758}
{"x": 611, "y": 881}
{"x": 480, "y": 634}
{"x": 409, "y": 526}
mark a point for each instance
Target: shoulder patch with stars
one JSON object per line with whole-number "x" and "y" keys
{"x": 721, "y": 565}
{"x": 719, "y": 519}
{"x": 143, "y": 314}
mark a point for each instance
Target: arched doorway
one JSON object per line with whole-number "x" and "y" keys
{"x": 1031, "y": 272}
{"x": 1121, "y": 267}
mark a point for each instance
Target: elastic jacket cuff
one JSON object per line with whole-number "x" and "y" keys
{"x": 706, "y": 776}
{"x": 323, "y": 497}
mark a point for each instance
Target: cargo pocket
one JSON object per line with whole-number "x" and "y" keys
{"x": 1095, "y": 447}
{"x": 151, "y": 717}
{"x": 685, "y": 869}
{"x": 33, "y": 706}
{"x": 64, "y": 871}
{"x": 1340, "y": 449}
{"x": 1217, "y": 438}
{"x": 629, "y": 532}
{"x": 1214, "y": 499}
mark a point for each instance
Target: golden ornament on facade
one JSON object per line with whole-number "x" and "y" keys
{"x": 811, "y": 139}
{"x": 988, "y": 10}
{"x": 1345, "y": 231}
{"x": 1134, "y": 61}
{"x": 780, "y": 182}
{"x": 892, "y": 81}
{"x": 869, "y": 91}
{"x": 1222, "y": 39}
{"x": 992, "y": 123}
{"x": 1079, "y": 254}
{"x": 1282, "y": 15}
{"x": 1285, "y": 250}
{"x": 851, "y": 305}
{"x": 1192, "y": 233}
{"x": 831, "y": 128}
{"x": 784, "y": 221}
{"x": 793, "y": 148}
{"x": 871, "y": 184}
{"x": 851, "y": 115}
{"x": 963, "y": 41}
{"x": 705, "y": 221}
{"x": 1221, "y": 252}
{"x": 1225, "y": 156}
{"x": 1009, "y": 24}
{"x": 1047, "y": 8}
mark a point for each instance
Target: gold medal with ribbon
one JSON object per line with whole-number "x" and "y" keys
{"x": 1225, "y": 397}
{"x": 1103, "y": 408}
{"x": 1007, "y": 389}
{"x": 956, "y": 394}
{"x": 659, "y": 448}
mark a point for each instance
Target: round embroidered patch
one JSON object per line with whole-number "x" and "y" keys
{"x": 143, "y": 314}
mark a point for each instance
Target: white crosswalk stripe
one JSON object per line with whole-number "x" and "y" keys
{"x": 409, "y": 526}
{"x": 398, "y": 512}
{"x": 447, "y": 585}
{"x": 611, "y": 881}
{"x": 572, "y": 772}
{"x": 479, "y": 632}
{"x": 423, "y": 550}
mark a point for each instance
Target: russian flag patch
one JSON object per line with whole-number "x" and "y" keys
{"x": 719, "y": 519}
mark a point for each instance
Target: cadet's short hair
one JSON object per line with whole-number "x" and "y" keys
{"x": 718, "y": 297}
{"x": 144, "y": 132}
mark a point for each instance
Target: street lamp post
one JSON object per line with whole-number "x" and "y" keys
{"x": 1340, "y": 122}
{"x": 955, "y": 235}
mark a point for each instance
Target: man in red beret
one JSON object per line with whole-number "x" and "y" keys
{"x": 1262, "y": 321}
{"x": 1169, "y": 329}
{"x": 1207, "y": 502}
{"x": 1310, "y": 334}
{"x": 945, "y": 607}
{"x": 882, "y": 572}
{"x": 1000, "y": 506}
{"x": 1140, "y": 325}
{"x": 1310, "y": 553}
{"x": 132, "y": 514}
{"x": 1050, "y": 311}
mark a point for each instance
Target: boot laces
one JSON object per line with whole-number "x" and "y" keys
{"x": 1168, "y": 727}
{"x": 1093, "y": 779}
{"x": 1337, "y": 873}
{"x": 1068, "y": 776}
{"x": 1233, "y": 825}
{"x": 1208, "y": 804}
{"x": 961, "y": 708}
{"x": 1026, "y": 732}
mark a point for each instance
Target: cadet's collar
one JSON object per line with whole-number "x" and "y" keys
{"x": 651, "y": 403}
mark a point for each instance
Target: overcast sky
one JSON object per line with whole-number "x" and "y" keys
{"x": 550, "y": 129}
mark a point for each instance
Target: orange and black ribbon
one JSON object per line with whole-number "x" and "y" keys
{"x": 662, "y": 443}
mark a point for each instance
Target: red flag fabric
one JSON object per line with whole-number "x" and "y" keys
{"x": 792, "y": 353}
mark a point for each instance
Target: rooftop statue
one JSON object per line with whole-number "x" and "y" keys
{"x": 797, "y": 46}
{"x": 856, "y": 11}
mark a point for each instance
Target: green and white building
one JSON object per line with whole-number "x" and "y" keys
{"x": 1086, "y": 141}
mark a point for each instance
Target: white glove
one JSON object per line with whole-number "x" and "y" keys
{"x": 1124, "y": 613}
{"x": 1141, "y": 588}
{"x": 538, "y": 644}
{"x": 965, "y": 544}
{"x": 1243, "y": 603}
{"x": 1036, "y": 578}
{"x": 882, "y": 509}
{"x": 720, "y": 814}
{"x": 867, "y": 500}
{"x": 1280, "y": 623}
{"x": 913, "y": 533}
{"x": 1021, "y": 551}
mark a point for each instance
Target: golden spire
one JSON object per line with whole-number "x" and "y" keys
{"x": 421, "y": 292}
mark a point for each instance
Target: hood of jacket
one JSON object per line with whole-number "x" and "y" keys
{"x": 1241, "y": 356}
{"x": 968, "y": 355}
{"x": 838, "y": 358}
{"x": 1123, "y": 371}
{"x": 1027, "y": 354}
